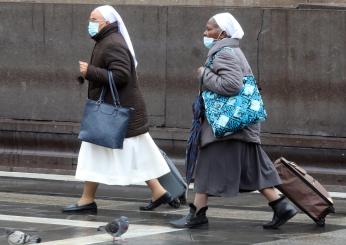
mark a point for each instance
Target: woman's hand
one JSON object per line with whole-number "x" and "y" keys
{"x": 83, "y": 68}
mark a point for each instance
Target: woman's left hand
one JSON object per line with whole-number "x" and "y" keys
{"x": 83, "y": 68}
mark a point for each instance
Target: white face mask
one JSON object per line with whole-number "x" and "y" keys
{"x": 209, "y": 42}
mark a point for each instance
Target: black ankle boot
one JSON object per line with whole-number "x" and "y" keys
{"x": 193, "y": 219}
{"x": 283, "y": 211}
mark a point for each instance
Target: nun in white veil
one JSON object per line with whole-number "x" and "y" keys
{"x": 234, "y": 163}
{"x": 112, "y": 16}
{"x": 140, "y": 160}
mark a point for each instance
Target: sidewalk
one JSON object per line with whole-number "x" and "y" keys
{"x": 33, "y": 205}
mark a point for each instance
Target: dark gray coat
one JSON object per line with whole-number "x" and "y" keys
{"x": 226, "y": 78}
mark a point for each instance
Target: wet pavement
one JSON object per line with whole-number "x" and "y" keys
{"x": 231, "y": 220}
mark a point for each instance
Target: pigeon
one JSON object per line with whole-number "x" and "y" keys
{"x": 18, "y": 237}
{"x": 116, "y": 228}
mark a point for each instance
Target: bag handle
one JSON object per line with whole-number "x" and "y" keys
{"x": 113, "y": 89}
{"x": 212, "y": 57}
{"x": 201, "y": 82}
{"x": 209, "y": 63}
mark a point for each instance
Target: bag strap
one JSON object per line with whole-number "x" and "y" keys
{"x": 209, "y": 63}
{"x": 113, "y": 89}
{"x": 212, "y": 57}
{"x": 201, "y": 82}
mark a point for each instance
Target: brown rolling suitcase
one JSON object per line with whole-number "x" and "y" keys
{"x": 304, "y": 191}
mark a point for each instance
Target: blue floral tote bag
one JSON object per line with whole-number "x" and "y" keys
{"x": 227, "y": 115}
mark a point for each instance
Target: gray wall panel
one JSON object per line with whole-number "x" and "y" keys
{"x": 303, "y": 67}
{"x": 39, "y": 61}
{"x": 301, "y": 62}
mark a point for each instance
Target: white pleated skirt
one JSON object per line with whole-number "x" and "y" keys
{"x": 139, "y": 160}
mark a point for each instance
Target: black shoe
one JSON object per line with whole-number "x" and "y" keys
{"x": 193, "y": 219}
{"x": 165, "y": 198}
{"x": 283, "y": 211}
{"x": 175, "y": 203}
{"x": 75, "y": 208}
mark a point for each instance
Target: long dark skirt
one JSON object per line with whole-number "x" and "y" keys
{"x": 225, "y": 168}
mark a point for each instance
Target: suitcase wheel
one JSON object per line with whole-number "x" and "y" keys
{"x": 331, "y": 209}
{"x": 321, "y": 222}
{"x": 175, "y": 203}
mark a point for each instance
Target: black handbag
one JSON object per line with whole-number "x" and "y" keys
{"x": 105, "y": 124}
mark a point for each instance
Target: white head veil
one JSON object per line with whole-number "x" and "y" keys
{"x": 111, "y": 15}
{"x": 229, "y": 24}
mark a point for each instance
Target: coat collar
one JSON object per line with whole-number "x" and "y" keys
{"x": 106, "y": 31}
{"x": 226, "y": 42}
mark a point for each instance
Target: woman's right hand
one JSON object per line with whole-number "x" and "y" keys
{"x": 83, "y": 68}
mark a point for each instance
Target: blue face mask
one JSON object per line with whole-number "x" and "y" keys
{"x": 93, "y": 28}
{"x": 208, "y": 42}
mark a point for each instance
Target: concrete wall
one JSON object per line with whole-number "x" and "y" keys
{"x": 297, "y": 55}
{"x": 229, "y": 3}
{"x": 303, "y": 69}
